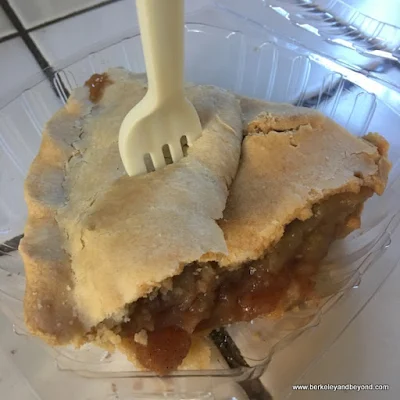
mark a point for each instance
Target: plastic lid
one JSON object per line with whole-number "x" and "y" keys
{"x": 335, "y": 21}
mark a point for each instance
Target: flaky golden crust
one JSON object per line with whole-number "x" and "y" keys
{"x": 84, "y": 262}
{"x": 291, "y": 159}
{"x": 48, "y": 302}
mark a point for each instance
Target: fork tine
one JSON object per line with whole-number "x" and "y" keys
{"x": 176, "y": 152}
{"x": 158, "y": 158}
{"x": 137, "y": 166}
{"x": 189, "y": 139}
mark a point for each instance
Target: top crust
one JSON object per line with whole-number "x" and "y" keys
{"x": 84, "y": 262}
{"x": 291, "y": 159}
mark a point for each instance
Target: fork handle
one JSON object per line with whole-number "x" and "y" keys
{"x": 161, "y": 27}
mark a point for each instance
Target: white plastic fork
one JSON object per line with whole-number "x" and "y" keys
{"x": 164, "y": 115}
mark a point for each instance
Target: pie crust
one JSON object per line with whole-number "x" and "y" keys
{"x": 98, "y": 242}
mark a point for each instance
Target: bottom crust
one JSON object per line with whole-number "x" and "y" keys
{"x": 160, "y": 328}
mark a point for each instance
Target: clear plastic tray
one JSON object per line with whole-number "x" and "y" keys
{"x": 335, "y": 21}
{"x": 267, "y": 66}
{"x": 355, "y": 33}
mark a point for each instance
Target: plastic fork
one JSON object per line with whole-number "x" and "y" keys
{"x": 157, "y": 124}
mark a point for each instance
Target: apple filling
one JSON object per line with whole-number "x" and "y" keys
{"x": 205, "y": 296}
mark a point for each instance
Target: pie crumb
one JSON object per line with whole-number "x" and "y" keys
{"x": 141, "y": 337}
{"x": 305, "y": 214}
{"x": 166, "y": 286}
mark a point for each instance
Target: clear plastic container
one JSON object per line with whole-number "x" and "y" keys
{"x": 337, "y": 21}
{"x": 257, "y": 63}
{"x": 356, "y": 32}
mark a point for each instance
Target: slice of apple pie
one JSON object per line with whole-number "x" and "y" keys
{"x": 149, "y": 264}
